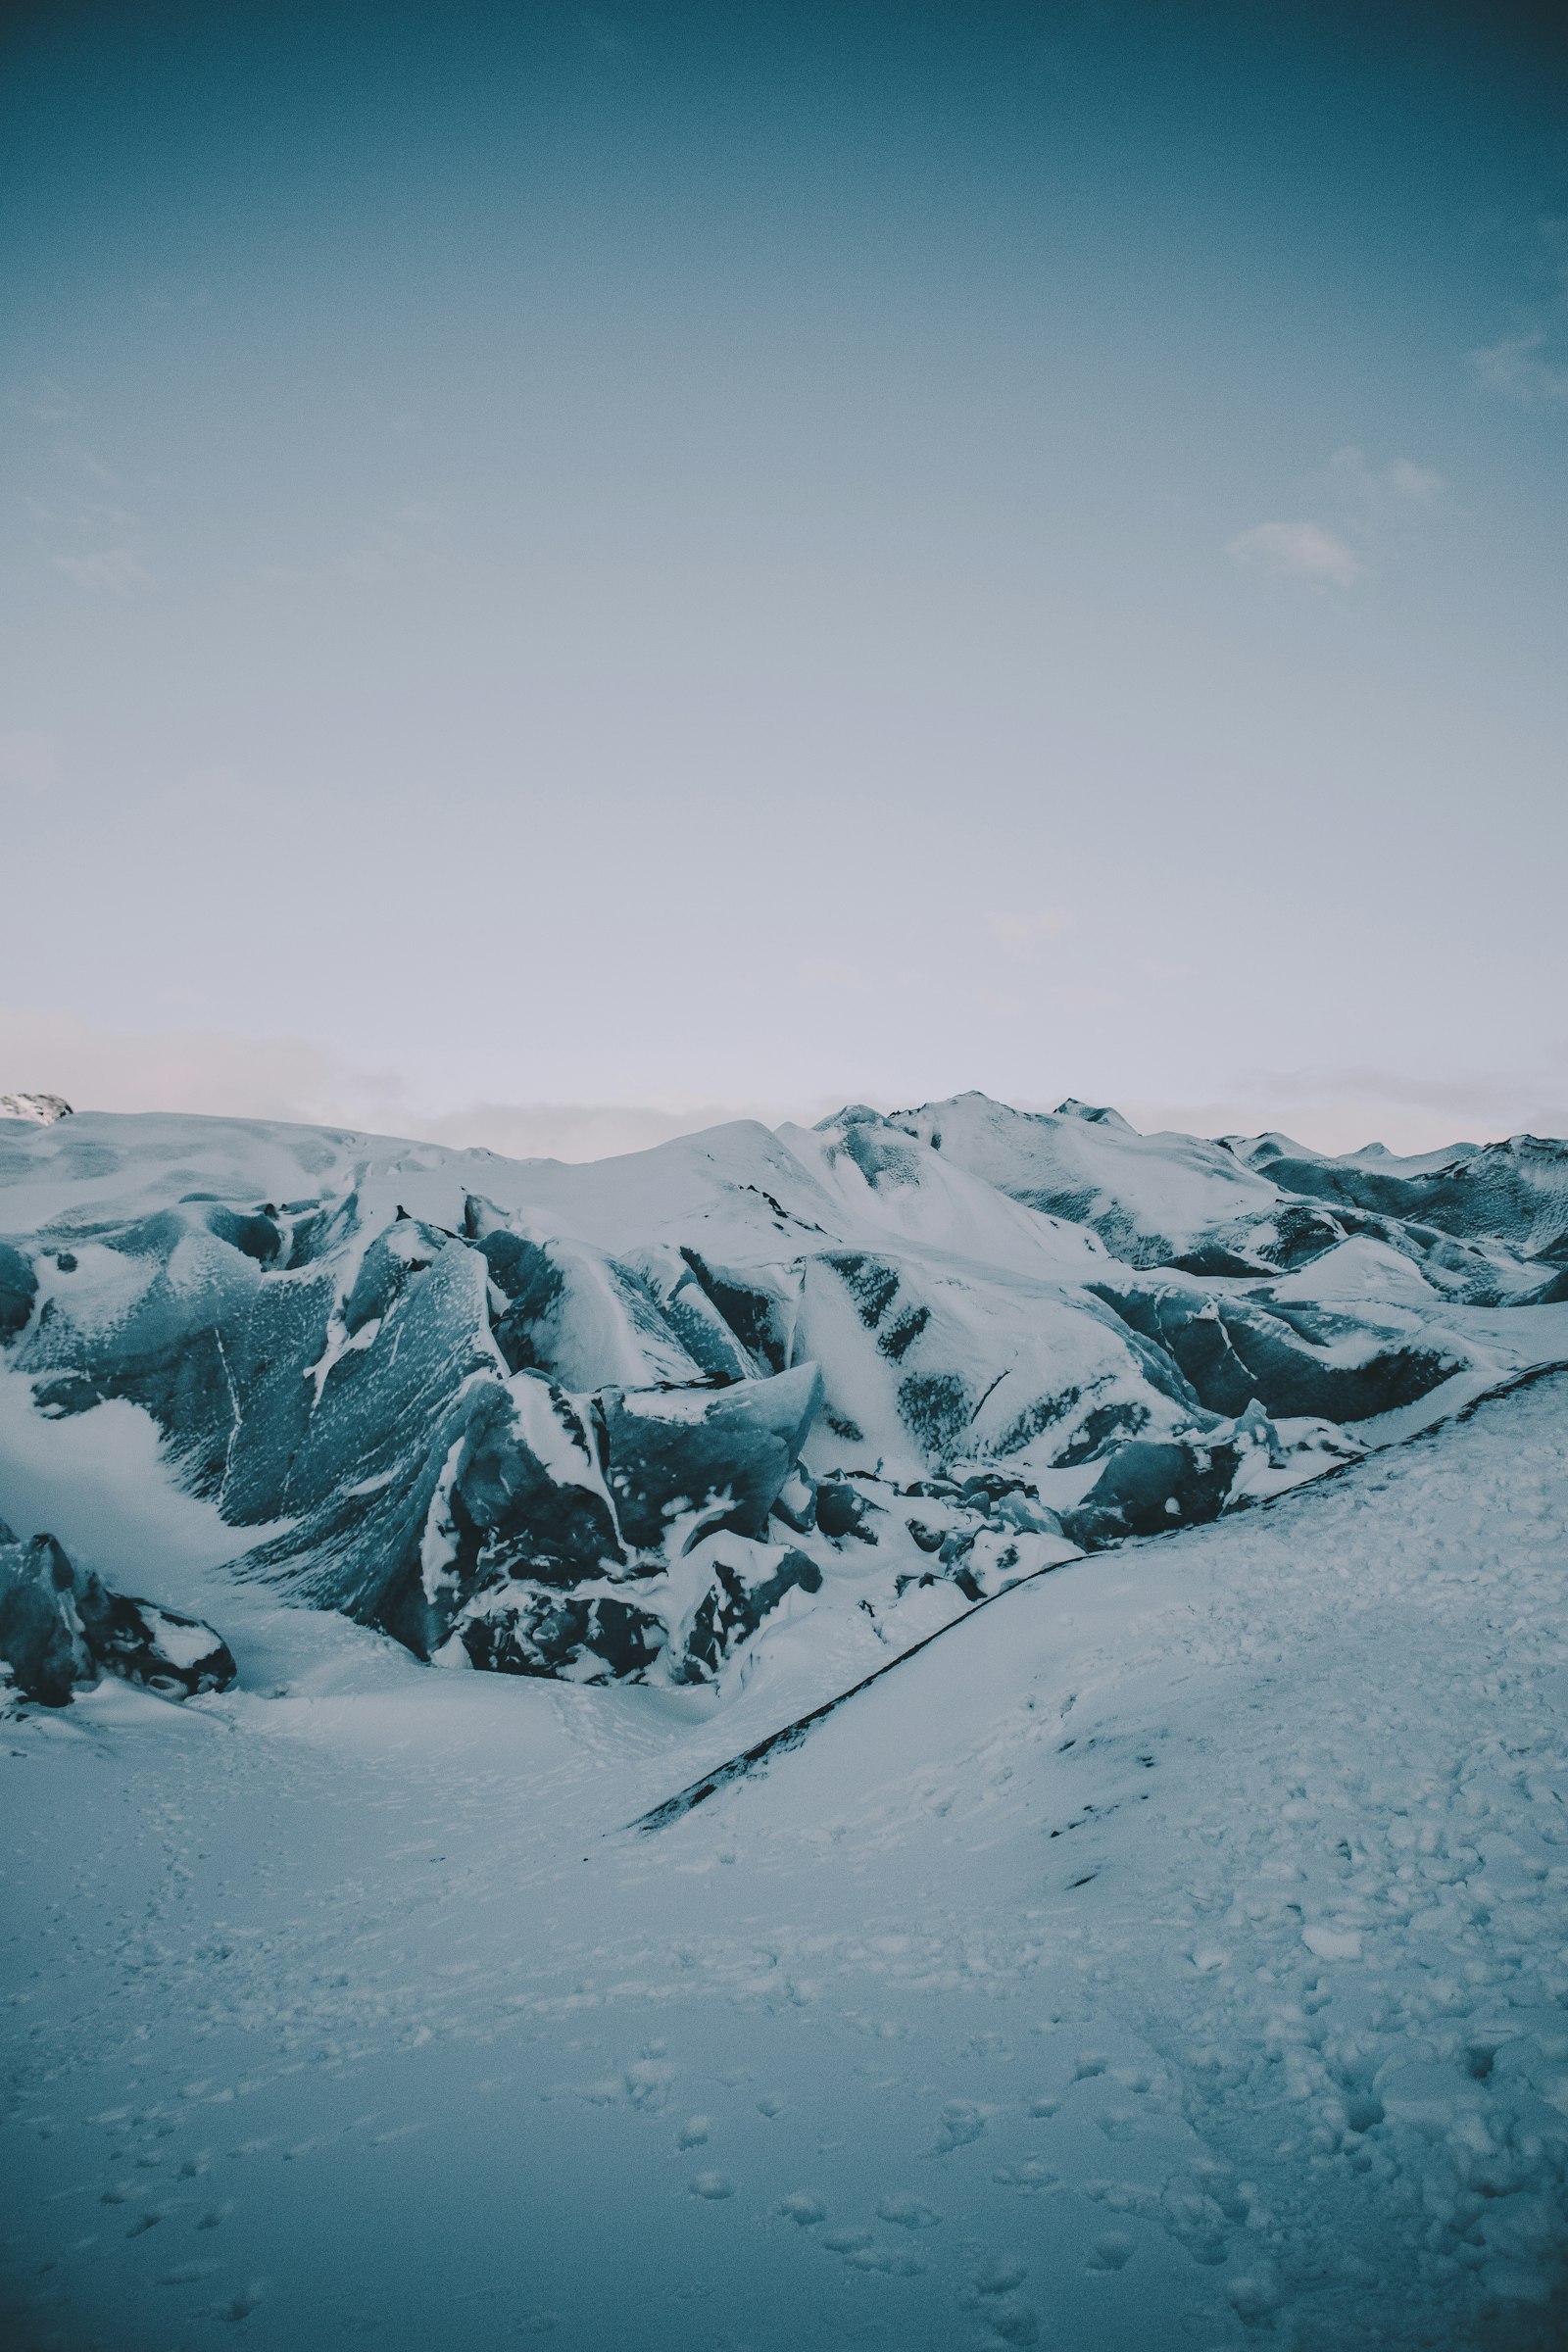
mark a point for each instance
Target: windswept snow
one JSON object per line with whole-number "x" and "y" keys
{"x": 1172, "y": 1952}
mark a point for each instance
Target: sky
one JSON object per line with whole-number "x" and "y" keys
{"x": 567, "y": 573}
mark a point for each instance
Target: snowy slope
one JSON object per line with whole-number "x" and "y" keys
{"x": 1238, "y": 1205}
{"x": 1171, "y": 1953}
{"x": 1515, "y": 1191}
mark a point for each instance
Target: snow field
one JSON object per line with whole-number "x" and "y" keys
{"x": 1174, "y": 1953}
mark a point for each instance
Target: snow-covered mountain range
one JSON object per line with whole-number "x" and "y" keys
{"x": 603, "y": 1421}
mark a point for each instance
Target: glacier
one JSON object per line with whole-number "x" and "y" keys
{"x": 899, "y": 1880}
{"x": 601, "y": 1421}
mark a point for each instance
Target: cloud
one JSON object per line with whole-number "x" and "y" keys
{"x": 1520, "y": 368}
{"x": 215, "y": 1073}
{"x": 1019, "y": 935}
{"x": 1418, "y": 484}
{"x": 1374, "y": 508}
{"x": 114, "y": 571}
{"x": 1302, "y": 551}
{"x": 1530, "y": 368}
{"x": 1380, "y": 492}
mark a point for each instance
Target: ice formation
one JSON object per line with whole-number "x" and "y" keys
{"x": 601, "y": 1421}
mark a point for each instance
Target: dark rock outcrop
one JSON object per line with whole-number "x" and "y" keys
{"x": 61, "y": 1626}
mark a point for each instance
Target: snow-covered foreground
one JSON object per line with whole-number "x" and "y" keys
{"x": 1175, "y": 1951}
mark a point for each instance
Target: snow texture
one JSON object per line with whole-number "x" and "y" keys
{"x": 1172, "y": 1951}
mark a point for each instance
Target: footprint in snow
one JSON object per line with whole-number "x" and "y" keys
{"x": 1031, "y": 2173}
{"x": 238, "y": 2307}
{"x": 1111, "y": 2252}
{"x": 895, "y": 2262}
{"x": 693, "y": 2132}
{"x": 1013, "y": 2320}
{"x": 186, "y": 2274}
{"x": 714, "y": 2187}
{"x": 647, "y": 2082}
{"x": 960, "y": 2122}
{"x": 802, "y": 2207}
{"x": 907, "y": 2213}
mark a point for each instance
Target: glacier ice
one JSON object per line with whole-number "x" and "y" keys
{"x": 609, "y": 1420}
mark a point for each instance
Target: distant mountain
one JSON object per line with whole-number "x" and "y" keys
{"x": 39, "y": 1110}
{"x": 606, "y": 1420}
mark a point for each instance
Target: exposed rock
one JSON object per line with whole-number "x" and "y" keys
{"x": 61, "y": 1626}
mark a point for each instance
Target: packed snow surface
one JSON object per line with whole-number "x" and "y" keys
{"x": 1171, "y": 1952}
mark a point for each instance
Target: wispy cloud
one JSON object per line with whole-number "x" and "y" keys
{"x": 1522, "y": 368}
{"x": 1372, "y": 508}
{"x": 1019, "y": 935}
{"x": 1530, "y": 367}
{"x": 111, "y": 572}
{"x": 1380, "y": 492}
{"x": 1300, "y": 551}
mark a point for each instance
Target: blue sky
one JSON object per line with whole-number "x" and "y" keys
{"x": 663, "y": 557}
